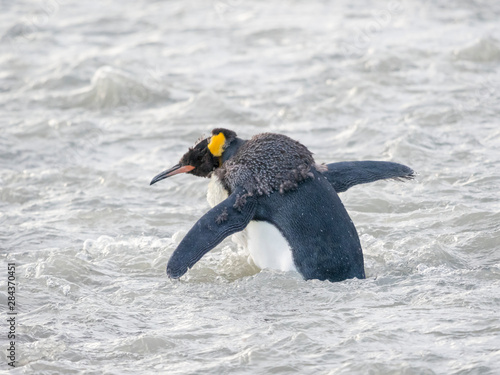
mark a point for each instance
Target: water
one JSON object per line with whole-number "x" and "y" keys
{"x": 96, "y": 99}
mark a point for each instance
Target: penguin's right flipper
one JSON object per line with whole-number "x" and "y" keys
{"x": 228, "y": 217}
{"x": 345, "y": 175}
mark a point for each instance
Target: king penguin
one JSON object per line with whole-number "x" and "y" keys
{"x": 283, "y": 206}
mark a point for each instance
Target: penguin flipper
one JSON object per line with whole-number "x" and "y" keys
{"x": 228, "y": 217}
{"x": 346, "y": 174}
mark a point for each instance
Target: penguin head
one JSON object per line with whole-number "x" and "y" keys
{"x": 205, "y": 157}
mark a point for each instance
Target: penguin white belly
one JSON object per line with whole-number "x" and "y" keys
{"x": 216, "y": 192}
{"x": 267, "y": 246}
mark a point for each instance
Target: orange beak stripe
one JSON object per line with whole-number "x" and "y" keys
{"x": 185, "y": 169}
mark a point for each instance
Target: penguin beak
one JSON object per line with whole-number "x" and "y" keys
{"x": 176, "y": 169}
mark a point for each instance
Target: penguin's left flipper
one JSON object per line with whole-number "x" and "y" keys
{"x": 230, "y": 216}
{"x": 345, "y": 175}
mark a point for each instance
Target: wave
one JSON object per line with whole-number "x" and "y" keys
{"x": 111, "y": 88}
{"x": 482, "y": 50}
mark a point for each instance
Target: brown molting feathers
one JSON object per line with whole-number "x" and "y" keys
{"x": 223, "y": 216}
{"x": 322, "y": 168}
{"x": 267, "y": 163}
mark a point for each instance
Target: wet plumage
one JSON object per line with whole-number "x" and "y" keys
{"x": 271, "y": 188}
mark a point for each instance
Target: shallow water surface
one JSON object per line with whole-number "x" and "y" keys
{"x": 96, "y": 99}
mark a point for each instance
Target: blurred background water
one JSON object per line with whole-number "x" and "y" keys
{"x": 97, "y": 98}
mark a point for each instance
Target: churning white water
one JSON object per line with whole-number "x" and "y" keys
{"x": 98, "y": 97}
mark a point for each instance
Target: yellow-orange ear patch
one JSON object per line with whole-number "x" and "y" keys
{"x": 216, "y": 145}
